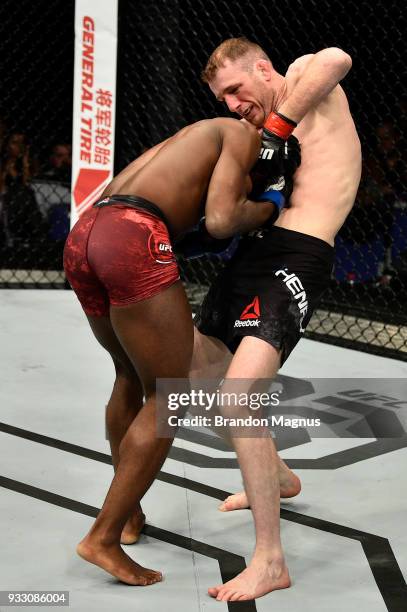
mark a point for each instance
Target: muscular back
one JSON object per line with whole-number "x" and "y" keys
{"x": 175, "y": 175}
{"x": 326, "y": 183}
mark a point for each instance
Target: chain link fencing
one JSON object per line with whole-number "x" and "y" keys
{"x": 36, "y": 75}
{"x": 163, "y": 47}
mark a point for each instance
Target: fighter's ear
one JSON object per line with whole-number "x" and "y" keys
{"x": 263, "y": 68}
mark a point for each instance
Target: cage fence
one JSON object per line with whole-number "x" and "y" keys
{"x": 163, "y": 47}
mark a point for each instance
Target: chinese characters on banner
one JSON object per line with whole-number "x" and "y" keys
{"x": 103, "y": 132}
{"x": 94, "y": 101}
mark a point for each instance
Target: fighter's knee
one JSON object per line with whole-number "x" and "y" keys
{"x": 132, "y": 442}
{"x": 138, "y": 441}
{"x": 198, "y": 337}
{"x": 198, "y": 354}
{"x": 124, "y": 369}
{"x": 210, "y": 357}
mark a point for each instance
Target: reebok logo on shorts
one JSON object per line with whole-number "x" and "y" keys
{"x": 252, "y": 311}
{"x": 250, "y": 315}
{"x": 293, "y": 283}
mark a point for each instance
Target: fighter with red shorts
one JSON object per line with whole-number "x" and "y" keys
{"x": 119, "y": 253}
{"x": 118, "y": 259}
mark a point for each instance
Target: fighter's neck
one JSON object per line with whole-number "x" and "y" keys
{"x": 279, "y": 91}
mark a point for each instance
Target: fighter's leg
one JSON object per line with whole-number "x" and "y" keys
{"x": 157, "y": 336}
{"x": 258, "y": 460}
{"x": 124, "y": 404}
{"x": 211, "y": 358}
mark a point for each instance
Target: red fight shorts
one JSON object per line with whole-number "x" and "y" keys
{"x": 115, "y": 256}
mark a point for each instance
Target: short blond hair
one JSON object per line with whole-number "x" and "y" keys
{"x": 231, "y": 49}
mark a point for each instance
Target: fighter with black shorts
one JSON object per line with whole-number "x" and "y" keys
{"x": 274, "y": 282}
{"x": 269, "y": 289}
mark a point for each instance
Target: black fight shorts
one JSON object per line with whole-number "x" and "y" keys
{"x": 269, "y": 289}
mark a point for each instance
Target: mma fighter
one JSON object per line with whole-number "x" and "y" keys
{"x": 278, "y": 273}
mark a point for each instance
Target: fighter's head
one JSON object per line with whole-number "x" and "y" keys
{"x": 240, "y": 74}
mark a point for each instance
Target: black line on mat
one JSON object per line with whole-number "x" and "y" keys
{"x": 379, "y": 554}
{"x": 230, "y": 564}
{"x": 176, "y": 453}
{"x": 55, "y": 443}
{"x": 386, "y": 572}
{"x": 327, "y": 462}
{"x": 350, "y": 456}
{"x": 378, "y": 551}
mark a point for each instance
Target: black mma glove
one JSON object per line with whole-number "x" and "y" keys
{"x": 275, "y": 166}
{"x": 279, "y": 158}
{"x": 198, "y": 241}
{"x": 273, "y": 180}
{"x": 275, "y": 160}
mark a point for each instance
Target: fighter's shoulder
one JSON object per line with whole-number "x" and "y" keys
{"x": 230, "y": 124}
{"x": 227, "y": 133}
{"x": 239, "y": 128}
{"x": 298, "y": 66}
{"x": 234, "y": 130}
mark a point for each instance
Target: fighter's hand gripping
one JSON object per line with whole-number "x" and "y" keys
{"x": 273, "y": 180}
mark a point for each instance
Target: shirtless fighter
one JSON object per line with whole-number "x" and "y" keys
{"x": 279, "y": 273}
{"x": 118, "y": 259}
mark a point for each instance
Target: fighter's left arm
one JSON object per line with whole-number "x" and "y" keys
{"x": 312, "y": 78}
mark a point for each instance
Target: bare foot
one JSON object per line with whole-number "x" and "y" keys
{"x": 259, "y": 578}
{"x": 238, "y": 501}
{"x": 290, "y": 486}
{"x": 114, "y": 560}
{"x": 133, "y": 527}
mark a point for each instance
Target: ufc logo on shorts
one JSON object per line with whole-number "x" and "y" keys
{"x": 293, "y": 283}
{"x": 164, "y": 247}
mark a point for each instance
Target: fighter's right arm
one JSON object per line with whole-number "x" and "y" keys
{"x": 312, "y": 78}
{"x": 228, "y": 209}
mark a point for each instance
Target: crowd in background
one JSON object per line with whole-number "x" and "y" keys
{"x": 35, "y": 205}
{"x": 34, "y": 201}
{"x": 376, "y": 230}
